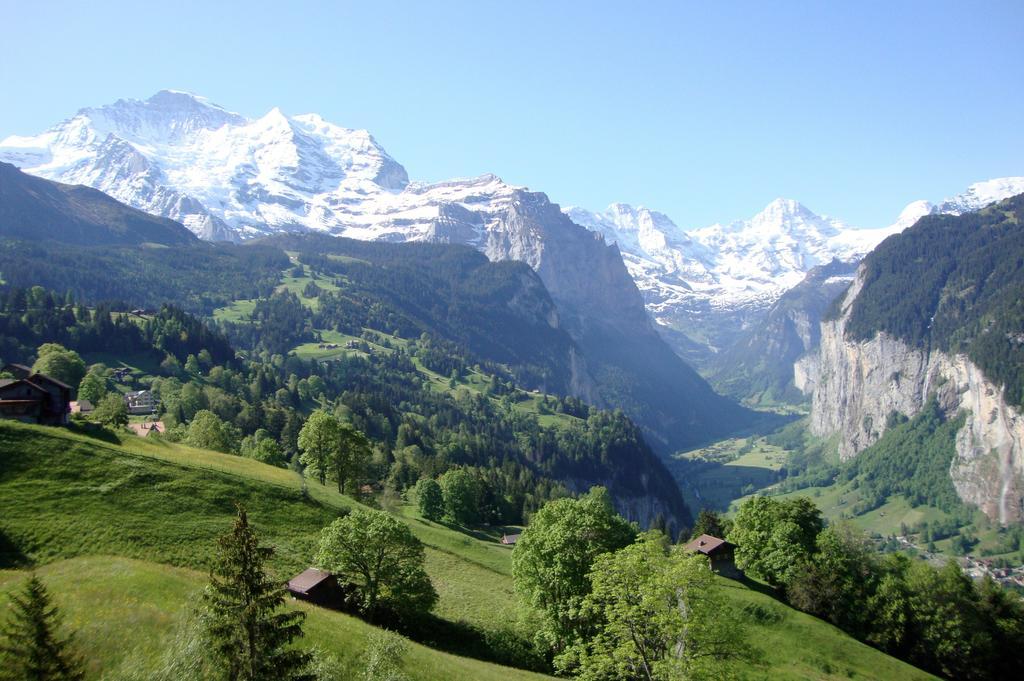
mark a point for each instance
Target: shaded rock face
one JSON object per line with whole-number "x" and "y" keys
{"x": 857, "y": 385}
{"x": 644, "y": 505}
{"x": 761, "y": 364}
{"x": 603, "y": 311}
{"x": 579, "y": 269}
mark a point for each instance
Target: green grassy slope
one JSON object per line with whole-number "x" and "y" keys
{"x": 66, "y": 498}
{"x": 793, "y": 645}
{"x": 67, "y": 495}
{"x": 125, "y": 612}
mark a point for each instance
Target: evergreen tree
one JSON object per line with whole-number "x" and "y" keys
{"x": 248, "y": 636}
{"x": 30, "y": 649}
{"x": 709, "y": 522}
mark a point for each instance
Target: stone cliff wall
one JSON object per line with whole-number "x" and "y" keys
{"x": 857, "y": 385}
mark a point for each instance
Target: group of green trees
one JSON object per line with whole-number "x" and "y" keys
{"x": 935, "y": 618}
{"x": 379, "y": 556}
{"x": 456, "y": 496}
{"x": 332, "y": 449}
{"x": 912, "y": 459}
{"x": 36, "y": 316}
{"x": 200, "y": 276}
{"x": 617, "y": 604}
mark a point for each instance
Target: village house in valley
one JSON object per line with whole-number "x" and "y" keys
{"x": 140, "y": 402}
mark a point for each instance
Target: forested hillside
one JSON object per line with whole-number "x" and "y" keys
{"x": 493, "y": 312}
{"x": 199, "y": 276}
{"x": 425, "y": 405}
{"x": 38, "y": 209}
{"x": 955, "y": 284}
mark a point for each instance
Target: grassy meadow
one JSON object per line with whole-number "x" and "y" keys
{"x": 126, "y": 613}
{"x": 123, "y": 531}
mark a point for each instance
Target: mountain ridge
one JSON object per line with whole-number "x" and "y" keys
{"x": 705, "y": 286}
{"x": 37, "y": 209}
{"x": 226, "y": 177}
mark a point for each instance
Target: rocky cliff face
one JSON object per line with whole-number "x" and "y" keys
{"x": 857, "y": 385}
{"x": 603, "y": 311}
{"x": 760, "y": 365}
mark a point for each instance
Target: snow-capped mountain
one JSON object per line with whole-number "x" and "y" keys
{"x": 710, "y": 283}
{"x": 746, "y": 262}
{"x": 221, "y": 174}
{"x": 226, "y": 176}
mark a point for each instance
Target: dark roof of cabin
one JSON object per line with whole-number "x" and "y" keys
{"x": 309, "y": 579}
{"x": 19, "y": 370}
{"x": 708, "y": 545}
{"x": 5, "y": 382}
{"x": 43, "y": 377}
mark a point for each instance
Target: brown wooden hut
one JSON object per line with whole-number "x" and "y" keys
{"x": 318, "y": 587}
{"x": 720, "y": 554}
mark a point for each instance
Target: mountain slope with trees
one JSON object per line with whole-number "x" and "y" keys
{"x": 955, "y": 284}
{"x": 38, "y": 209}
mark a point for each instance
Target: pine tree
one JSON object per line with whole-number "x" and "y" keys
{"x": 30, "y": 649}
{"x": 248, "y": 636}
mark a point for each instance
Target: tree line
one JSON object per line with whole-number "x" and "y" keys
{"x": 935, "y": 618}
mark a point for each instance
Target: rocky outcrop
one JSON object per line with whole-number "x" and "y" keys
{"x": 857, "y": 385}
{"x": 647, "y": 502}
{"x": 601, "y": 308}
{"x": 759, "y": 367}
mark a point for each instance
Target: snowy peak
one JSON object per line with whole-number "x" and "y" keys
{"x": 914, "y": 211}
{"x": 722, "y": 276}
{"x": 166, "y": 116}
{"x": 782, "y": 215}
{"x": 223, "y": 175}
{"x": 981, "y": 194}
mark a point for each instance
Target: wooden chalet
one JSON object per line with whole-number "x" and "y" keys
{"x": 318, "y": 587}
{"x": 720, "y": 553}
{"x": 509, "y": 539}
{"x": 34, "y": 397}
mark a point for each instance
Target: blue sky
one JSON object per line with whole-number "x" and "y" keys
{"x": 705, "y": 111}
